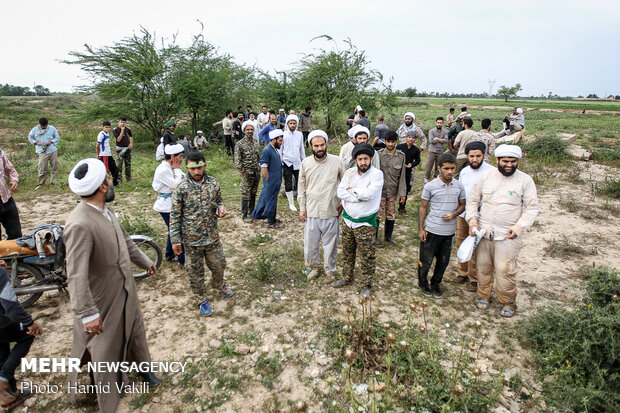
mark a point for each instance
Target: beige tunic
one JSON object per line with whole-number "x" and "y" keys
{"x": 99, "y": 256}
{"x": 318, "y": 182}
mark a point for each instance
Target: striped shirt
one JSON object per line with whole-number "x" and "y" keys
{"x": 444, "y": 199}
{"x": 6, "y": 171}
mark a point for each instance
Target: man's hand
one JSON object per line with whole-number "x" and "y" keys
{"x": 48, "y": 143}
{"x": 221, "y": 212}
{"x": 245, "y": 175}
{"x": 422, "y": 235}
{"x": 403, "y": 199}
{"x": 473, "y": 228}
{"x": 176, "y": 163}
{"x": 94, "y": 327}
{"x": 302, "y": 216}
{"x": 13, "y": 186}
{"x": 177, "y": 249}
{"x": 152, "y": 270}
{"x": 449, "y": 216}
{"x": 130, "y": 145}
{"x": 512, "y": 234}
{"x": 34, "y": 330}
{"x": 409, "y": 165}
{"x": 3, "y": 263}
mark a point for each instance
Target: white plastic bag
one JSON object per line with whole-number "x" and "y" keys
{"x": 468, "y": 246}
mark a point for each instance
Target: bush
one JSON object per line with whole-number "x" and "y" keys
{"x": 576, "y": 349}
{"x": 606, "y": 155}
{"x": 547, "y": 149}
{"x": 611, "y": 187}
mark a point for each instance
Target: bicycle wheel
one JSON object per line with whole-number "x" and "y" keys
{"x": 152, "y": 250}
{"x": 27, "y": 276}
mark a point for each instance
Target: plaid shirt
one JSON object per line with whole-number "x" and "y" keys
{"x": 6, "y": 170}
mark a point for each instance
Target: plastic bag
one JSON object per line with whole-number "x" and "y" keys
{"x": 466, "y": 250}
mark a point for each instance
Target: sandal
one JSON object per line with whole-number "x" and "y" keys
{"x": 461, "y": 279}
{"x": 482, "y": 305}
{"x": 507, "y": 312}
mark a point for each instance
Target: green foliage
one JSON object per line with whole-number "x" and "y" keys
{"x": 611, "y": 187}
{"x": 137, "y": 225}
{"x": 11, "y": 90}
{"x": 339, "y": 79}
{"x": 409, "y": 366}
{"x": 576, "y": 348}
{"x": 269, "y": 368}
{"x": 547, "y": 149}
{"x": 509, "y": 92}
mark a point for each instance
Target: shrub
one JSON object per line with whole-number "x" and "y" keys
{"x": 576, "y": 348}
{"x": 547, "y": 149}
{"x": 611, "y": 187}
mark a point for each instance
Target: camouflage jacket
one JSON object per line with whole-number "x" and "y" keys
{"x": 194, "y": 210}
{"x": 247, "y": 155}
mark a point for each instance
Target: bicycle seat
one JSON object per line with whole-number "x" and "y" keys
{"x": 10, "y": 248}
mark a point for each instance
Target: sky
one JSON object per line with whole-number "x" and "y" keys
{"x": 565, "y": 47}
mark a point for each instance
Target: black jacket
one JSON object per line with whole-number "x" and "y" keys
{"x": 11, "y": 310}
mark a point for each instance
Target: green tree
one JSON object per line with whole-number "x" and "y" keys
{"x": 41, "y": 91}
{"x": 508, "y": 92}
{"x": 132, "y": 78}
{"x": 335, "y": 81}
{"x": 278, "y": 90}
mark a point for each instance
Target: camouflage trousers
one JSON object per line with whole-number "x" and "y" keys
{"x": 195, "y": 257}
{"x": 249, "y": 186}
{"x": 358, "y": 241}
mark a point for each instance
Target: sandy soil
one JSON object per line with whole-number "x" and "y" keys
{"x": 283, "y": 319}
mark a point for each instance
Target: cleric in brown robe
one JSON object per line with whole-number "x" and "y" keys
{"x": 108, "y": 323}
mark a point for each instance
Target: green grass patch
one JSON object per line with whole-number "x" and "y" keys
{"x": 547, "y": 149}
{"x": 611, "y": 188}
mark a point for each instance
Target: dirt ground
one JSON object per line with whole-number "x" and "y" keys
{"x": 283, "y": 319}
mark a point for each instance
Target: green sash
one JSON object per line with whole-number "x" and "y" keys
{"x": 370, "y": 219}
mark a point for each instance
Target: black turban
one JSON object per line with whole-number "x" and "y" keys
{"x": 476, "y": 145}
{"x": 363, "y": 148}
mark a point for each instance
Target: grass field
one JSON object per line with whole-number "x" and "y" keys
{"x": 299, "y": 329}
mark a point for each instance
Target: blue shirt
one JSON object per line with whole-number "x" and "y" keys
{"x": 49, "y": 134}
{"x": 264, "y": 133}
{"x": 444, "y": 198}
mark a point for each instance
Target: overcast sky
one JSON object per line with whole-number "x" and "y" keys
{"x": 565, "y": 47}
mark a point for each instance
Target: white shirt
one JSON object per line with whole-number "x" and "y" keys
{"x": 103, "y": 139}
{"x": 293, "y": 151}
{"x": 364, "y": 196}
{"x": 262, "y": 118}
{"x": 159, "y": 152}
{"x": 469, "y": 176}
{"x": 164, "y": 181}
{"x": 254, "y": 123}
{"x": 346, "y": 152}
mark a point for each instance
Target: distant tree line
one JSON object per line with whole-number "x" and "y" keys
{"x": 12, "y": 90}
{"x": 150, "y": 80}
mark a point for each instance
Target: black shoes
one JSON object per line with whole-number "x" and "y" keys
{"x": 425, "y": 290}
{"x": 437, "y": 293}
{"x": 151, "y": 379}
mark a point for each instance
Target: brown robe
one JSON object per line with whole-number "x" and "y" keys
{"x": 99, "y": 256}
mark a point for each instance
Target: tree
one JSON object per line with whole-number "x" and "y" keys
{"x": 335, "y": 81}
{"x": 41, "y": 91}
{"x": 132, "y": 78}
{"x": 508, "y": 92}
{"x": 278, "y": 90}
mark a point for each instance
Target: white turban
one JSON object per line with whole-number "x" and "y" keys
{"x": 275, "y": 133}
{"x": 173, "y": 149}
{"x": 292, "y": 117}
{"x": 519, "y": 111}
{"x": 281, "y": 110}
{"x": 508, "y": 151}
{"x": 94, "y": 176}
{"x": 358, "y": 108}
{"x": 198, "y": 131}
{"x": 358, "y": 129}
{"x": 464, "y": 115}
{"x": 315, "y": 133}
{"x": 409, "y": 114}
{"x": 246, "y": 123}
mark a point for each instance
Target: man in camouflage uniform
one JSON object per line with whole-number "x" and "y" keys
{"x": 484, "y": 136}
{"x": 196, "y": 206}
{"x": 394, "y": 184}
{"x": 247, "y": 156}
{"x": 360, "y": 193}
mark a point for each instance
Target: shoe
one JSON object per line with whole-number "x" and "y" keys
{"x": 365, "y": 292}
{"x": 205, "y": 309}
{"x": 389, "y": 230}
{"x": 312, "y": 274}
{"x": 402, "y": 211}
{"x": 275, "y": 225}
{"x": 437, "y": 293}
{"x": 226, "y": 291}
{"x": 328, "y": 279}
{"x": 473, "y": 287}
{"x": 461, "y": 279}
{"x": 425, "y": 290}
{"x": 151, "y": 379}
{"x": 9, "y": 398}
{"x": 291, "y": 201}
{"x": 169, "y": 259}
{"x": 340, "y": 283}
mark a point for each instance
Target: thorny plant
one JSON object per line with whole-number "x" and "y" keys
{"x": 404, "y": 366}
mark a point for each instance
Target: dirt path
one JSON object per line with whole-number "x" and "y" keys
{"x": 279, "y": 321}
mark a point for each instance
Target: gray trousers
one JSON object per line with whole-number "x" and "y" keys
{"x": 321, "y": 231}
{"x": 44, "y": 160}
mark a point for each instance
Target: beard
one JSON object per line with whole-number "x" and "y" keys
{"x": 363, "y": 169}
{"x": 408, "y": 123}
{"x": 475, "y": 166}
{"x": 506, "y": 173}
{"x": 319, "y": 154}
{"x": 277, "y": 145}
{"x": 110, "y": 195}
{"x": 198, "y": 178}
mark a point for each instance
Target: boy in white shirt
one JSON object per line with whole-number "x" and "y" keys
{"x": 104, "y": 151}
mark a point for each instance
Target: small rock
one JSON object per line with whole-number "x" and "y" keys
{"x": 264, "y": 349}
{"x": 243, "y": 349}
{"x": 213, "y": 383}
{"x": 47, "y": 312}
{"x": 501, "y": 409}
{"x": 30, "y": 401}
{"x": 578, "y": 153}
{"x": 361, "y": 409}
{"x": 525, "y": 392}
{"x": 314, "y": 373}
{"x": 514, "y": 407}
{"x": 259, "y": 377}
{"x": 361, "y": 389}
{"x": 198, "y": 408}
{"x": 504, "y": 402}
{"x": 215, "y": 343}
{"x": 175, "y": 381}
{"x": 252, "y": 349}
{"x": 322, "y": 361}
